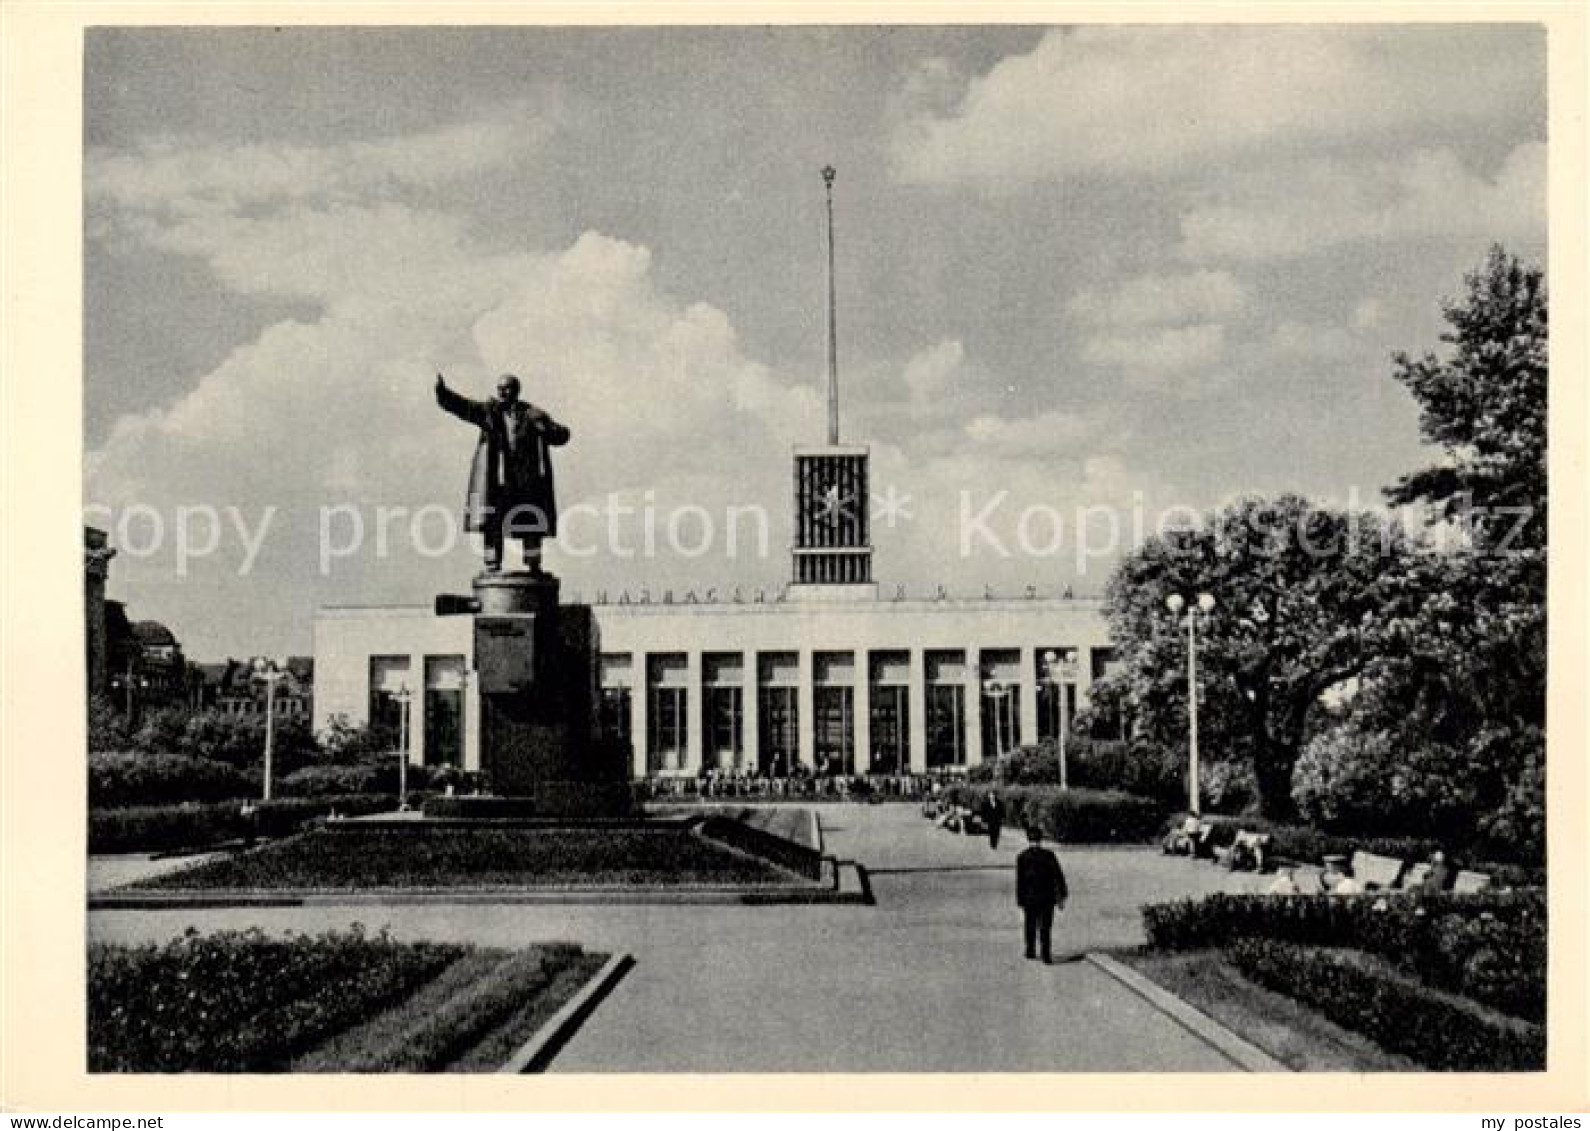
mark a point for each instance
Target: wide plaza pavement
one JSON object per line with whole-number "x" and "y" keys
{"x": 932, "y": 978}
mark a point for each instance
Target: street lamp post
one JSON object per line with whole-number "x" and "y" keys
{"x": 1204, "y": 604}
{"x": 1055, "y": 668}
{"x": 404, "y": 696}
{"x": 999, "y": 693}
{"x": 267, "y": 672}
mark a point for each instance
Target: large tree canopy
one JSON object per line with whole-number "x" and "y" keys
{"x": 1438, "y": 643}
{"x": 1297, "y": 589}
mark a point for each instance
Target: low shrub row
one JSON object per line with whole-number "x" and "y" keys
{"x": 1073, "y": 816}
{"x": 163, "y": 828}
{"x": 121, "y": 777}
{"x": 242, "y": 1001}
{"x": 1490, "y": 946}
{"x": 1366, "y": 994}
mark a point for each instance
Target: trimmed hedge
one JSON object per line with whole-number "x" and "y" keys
{"x": 1490, "y": 946}
{"x": 133, "y": 777}
{"x": 1401, "y": 1014}
{"x": 160, "y": 828}
{"x": 1073, "y": 816}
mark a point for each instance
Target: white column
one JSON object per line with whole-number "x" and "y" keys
{"x": 639, "y": 713}
{"x": 806, "y": 697}
{"x": 1029, "y": 695}
{"x": 472, "y": 707}
{"x": 916, "y": 708}
{"x": 417, "y": 709}
{"x": 862, "y": 698}
{"x": 695, "y": 714}
{"x": 974, "y": 706}
{"x": 751, "y": 713}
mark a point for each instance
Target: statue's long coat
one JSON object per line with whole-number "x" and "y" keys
{"x": 503, "y": 475}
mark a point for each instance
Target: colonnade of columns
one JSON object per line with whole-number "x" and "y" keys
{"x": 1031, "y": 677}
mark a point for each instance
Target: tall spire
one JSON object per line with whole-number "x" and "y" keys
{"x": 833, "y": 333}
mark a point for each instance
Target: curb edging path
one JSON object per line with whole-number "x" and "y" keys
{"x": 1244, "y": 1054}
{"x": 536, "y": 1053}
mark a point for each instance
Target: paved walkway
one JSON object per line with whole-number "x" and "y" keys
{"x": 930, "y": 979}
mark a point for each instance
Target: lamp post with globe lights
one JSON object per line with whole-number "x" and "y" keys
{"x": 1204, "y": 605}
{"x": 266, "y": 671}
{"x": 1000, "y": 694}
{"x": 1057, "y": 668}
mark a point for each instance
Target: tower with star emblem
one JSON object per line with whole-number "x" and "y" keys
{"x": 832, "y": 550}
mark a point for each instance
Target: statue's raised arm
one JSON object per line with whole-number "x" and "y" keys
{"x": 472, "y": 412}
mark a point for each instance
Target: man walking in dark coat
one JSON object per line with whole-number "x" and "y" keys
{"x": 1040, "y": 889}
{"x": 993, "y": 817}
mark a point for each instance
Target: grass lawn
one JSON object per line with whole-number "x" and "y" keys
{"x": 374, "y": 858}
{"x": 1286, "y": 1029}
{"x": 339, "y": 1002}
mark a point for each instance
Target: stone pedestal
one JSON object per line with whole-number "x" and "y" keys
{"x": 537, "y": 666}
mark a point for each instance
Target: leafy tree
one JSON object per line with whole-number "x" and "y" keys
{"x": 1449, "y": 724}
{"x": 1297, "y": 588}
{"x": 1476, "y": 623}
{"x": 107, "y": 727}
{"x": 1484, "y": 404}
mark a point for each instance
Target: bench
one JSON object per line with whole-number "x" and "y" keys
{"x": 1413, "y": 879}
{"x": 1374, "y": 872}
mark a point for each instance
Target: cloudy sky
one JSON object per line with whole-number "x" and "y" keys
{"x": 1107, "y": 267}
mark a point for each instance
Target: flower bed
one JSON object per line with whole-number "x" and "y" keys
{"x": 241, "y": 1001}
{"x": 451, "y": 856}
{"x": 1368, "y": 995}
{"x": 1072, "y": 816}
{"x": 1490, "y": 946}
{"x": 348, "y": 1002}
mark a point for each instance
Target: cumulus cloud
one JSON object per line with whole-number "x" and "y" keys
{"x": 1292, "y": 211}
{"x": 932, "y": 372}
{"x": 1173, "y": 358}
{"x": 1155, "y": 299}
{"x": 1046, "y": 434}
{"x": 1154, "y": 100}
{"x": 171, "y": 175}
{"x": 667, "y": 407}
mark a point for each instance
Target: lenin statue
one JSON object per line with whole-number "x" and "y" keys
{"x": 510, "y": 480}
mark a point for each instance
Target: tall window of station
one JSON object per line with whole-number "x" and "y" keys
{"x": 444, "y": 711}
{"x": 889, "y": 706}
{"x": 1001, "y": 701}
{"x": 778, "y": 711}
{"x": 388, "y": 676}
{"x": 668, "y": 723}
{"x": 617, "y": 673}
{"x": 834, "y": 700}
{"x": 946, "y": 709}
{"x": 723, "y": 687}
{"x": 1057, "y": 676}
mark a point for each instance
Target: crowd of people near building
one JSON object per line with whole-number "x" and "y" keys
{"x": 803, "y": 783}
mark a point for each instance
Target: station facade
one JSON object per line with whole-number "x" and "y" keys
{"x": 836, "y": 683}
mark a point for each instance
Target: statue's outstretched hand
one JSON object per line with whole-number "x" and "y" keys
{"x": 440, "y": 384}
